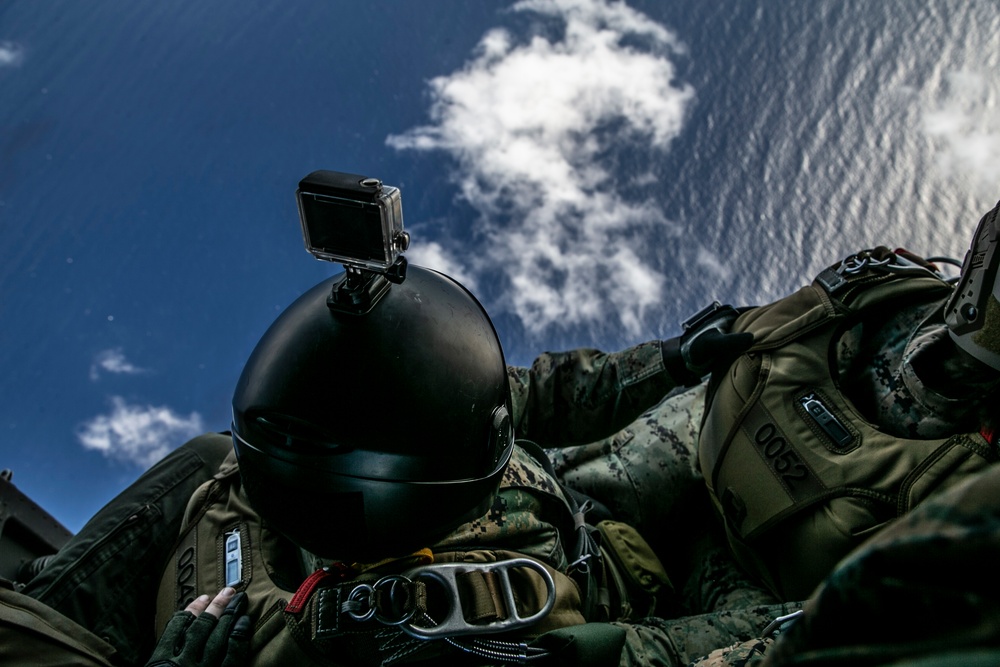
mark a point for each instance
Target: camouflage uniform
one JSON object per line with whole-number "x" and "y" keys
{"x": 646, "y": 471}
{"x": 609, "y": 430}
{"x": 602, "y": 395}
{"x": 618, "y": 430}
{"x": 592, "y": 398}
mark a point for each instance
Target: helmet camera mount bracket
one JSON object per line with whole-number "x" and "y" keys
{"x": 355, "y": 221}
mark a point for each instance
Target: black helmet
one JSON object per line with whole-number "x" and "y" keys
{"x": 367, "y": 436}
{"x": 973, "y": 312}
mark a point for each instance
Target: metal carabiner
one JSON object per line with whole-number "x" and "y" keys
{"x": 780, "y": 624}
{"x": 581, "y": 564}
{"x": 853, "y": 264}
{"x": 454, "y": 624}
{"x": 391, "y": 583}
{"x": 860, "y": 261}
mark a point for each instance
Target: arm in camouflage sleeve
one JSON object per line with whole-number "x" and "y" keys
{"x": 579, "y": 396}
{"x": 576, "y": 397}
{"x": 730, "y": 638}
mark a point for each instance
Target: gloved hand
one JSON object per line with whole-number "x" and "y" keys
{"x": 705, "y": 345}
{"x": 206, "y": 634}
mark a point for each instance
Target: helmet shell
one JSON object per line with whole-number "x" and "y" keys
{"x": 973, "y": 311}
{"x": 367, "y": 436}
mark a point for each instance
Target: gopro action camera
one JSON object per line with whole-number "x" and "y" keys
{"x": 353, "y": 220}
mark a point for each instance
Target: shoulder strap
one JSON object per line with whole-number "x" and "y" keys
{"x": 585, "y": 558}
{"x": 619, "y": 575}
{"x": 853, "y": 280}
{"x": 862, "y": 281}
{"x": 579, "y": 505}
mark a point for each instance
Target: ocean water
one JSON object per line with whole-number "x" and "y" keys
{"x": 810, "y": 140}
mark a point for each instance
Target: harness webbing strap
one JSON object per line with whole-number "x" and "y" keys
{"x": 584, "y": 546}
{"x": 481, "y": 591}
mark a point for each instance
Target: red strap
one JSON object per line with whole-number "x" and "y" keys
{"x": 988, "y": 433}
{"x": 305, "y": 590}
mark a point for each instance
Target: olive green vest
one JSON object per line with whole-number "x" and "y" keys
{"x": 798, "y": 475}
{"x": 310, "y": 620}
{"x": 32, "y": 633}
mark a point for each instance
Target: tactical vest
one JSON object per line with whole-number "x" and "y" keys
{"x": 354, "y": 616}
{"x": 798, "y": 475}
{"x": 32, "y": 633}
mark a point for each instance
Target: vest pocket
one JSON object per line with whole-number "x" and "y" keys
{"x": 635, "y": 570}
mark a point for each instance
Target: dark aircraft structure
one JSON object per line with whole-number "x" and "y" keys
{"x": 27, "y": 532}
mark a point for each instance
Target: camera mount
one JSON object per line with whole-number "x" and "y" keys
{"x": 358, "y": 290}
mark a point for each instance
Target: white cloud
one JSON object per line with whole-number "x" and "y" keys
{"x": 113, "y": 361}
{"x": 434, "y": 256}
{"x": 137, "y": 434}
{"x": 11, "y": 54}
{"x": 966, "y": 127}
{"x": 534, "y": 125}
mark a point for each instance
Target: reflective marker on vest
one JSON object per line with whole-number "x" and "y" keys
{"x": 824, "y": 418}
{"x": 234, "y": 559}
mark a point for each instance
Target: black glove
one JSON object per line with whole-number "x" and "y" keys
{"x": 205, "y": 641}
{"x": 705, "y": 345}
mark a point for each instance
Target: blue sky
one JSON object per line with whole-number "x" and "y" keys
{"x": 593, "y": 170}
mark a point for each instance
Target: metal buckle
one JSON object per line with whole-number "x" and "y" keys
{"x": 454, "y": 624}
{"x": 713, "y": 317}
{"x": 704, "y": 316}
{"x": 361, "y": 604}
